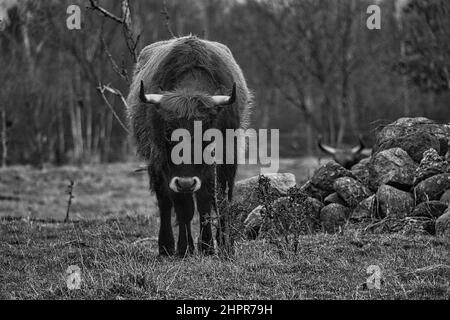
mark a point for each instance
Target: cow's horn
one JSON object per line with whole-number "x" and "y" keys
{"x": 325, "y": 148}
{"x": 358, "y": 148}
{"x": 225, "y": 100}
{"x": 149, "y": 98}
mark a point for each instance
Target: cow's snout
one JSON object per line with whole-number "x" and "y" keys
{"x": 185, "y": 184}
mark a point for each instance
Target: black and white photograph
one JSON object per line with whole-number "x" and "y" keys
{"x": 224, "y": 155}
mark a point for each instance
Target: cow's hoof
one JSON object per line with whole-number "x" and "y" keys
{"x": 185, "y": 253}
{"x": 163, "y": 252}
{"x": 207, "y": 250}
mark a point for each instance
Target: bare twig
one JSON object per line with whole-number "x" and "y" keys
{"x": 143, "y": 240}
{"x": 165, "y": 13}
{"x": 131, "y": 42}
{"x": 125, "y": 21}
{"x": 102, "y": 88}
{"x": 141, "y": 168}
{"x": 376, "y": 224}
{"x": 128, "y": 30}
{"x": 94, "y": 6}
{"x": 122, "y": 72}
{"x": 69, "y": 200}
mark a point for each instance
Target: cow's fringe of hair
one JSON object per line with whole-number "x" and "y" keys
{"x": 185, "y": 104}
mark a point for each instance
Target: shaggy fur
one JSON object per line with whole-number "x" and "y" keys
{"x": 187, "y": 71}
{"x": 161, "y": 65}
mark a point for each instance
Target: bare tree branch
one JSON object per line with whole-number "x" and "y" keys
{"x": 69, "y": 200}
{"x": 127, "y": 26}
{"x": 165, "y": 13}
{"x": 122, "y": 72}
{"x": 128, "y": 30}
{"x": 126, "y": 22}
{"x": 94, "y": 6}
{"x": 102, "y": 88}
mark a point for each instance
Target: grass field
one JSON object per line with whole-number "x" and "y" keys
{"x": 113, "y": 239}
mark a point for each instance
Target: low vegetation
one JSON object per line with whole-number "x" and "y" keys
{"x": 118, "y": 260}
{"x": 117, "y": 253}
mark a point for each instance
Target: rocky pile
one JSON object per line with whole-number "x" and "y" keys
{"x": 404, "y": 185}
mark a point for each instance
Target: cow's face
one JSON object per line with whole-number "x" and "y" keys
{"x": 187, "y": 115}
{"x": 346, "y": 157}
{"x": 187, "y": 177}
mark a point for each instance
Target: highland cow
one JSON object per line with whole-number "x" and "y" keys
{"x": 175, "y": 83}
{"x": 346, "y": 157}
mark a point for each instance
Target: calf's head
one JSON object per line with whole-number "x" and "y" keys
{"x": 346, "y": 157}
{"x": 184, "y": 109}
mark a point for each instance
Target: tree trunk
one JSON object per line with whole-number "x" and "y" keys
{"x": 88, "y": 110}
{"x": 4, "y": 138}
{"x": 308, "y": 127}
{"x": 61, "y": 137}
{"x": 79, "y": 130}
{"x": 107, "y": 136}
{"x": 405, "y": 89}
{"x": 75, "y": 125}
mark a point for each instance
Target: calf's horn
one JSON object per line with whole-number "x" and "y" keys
{"x": 325, "y": 148}
{"x": 225, "y": 100}
{"x": 149, "y": 98}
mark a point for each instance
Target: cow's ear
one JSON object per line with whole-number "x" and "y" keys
{"x": 149, "y": 98}
{"x": 358, "y": 148}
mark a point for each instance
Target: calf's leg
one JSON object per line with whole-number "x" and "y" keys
{"x": 165, "y": 238}
{"x": 184, "y": 209}
{"x": 204, "y": 206}
{"x": 166, "y": 243}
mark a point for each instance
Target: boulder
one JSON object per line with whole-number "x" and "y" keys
{"x": 351, "y": 190}
{"x": 361, "y": 171}
{"x": 418, "y": 226}
{"x": 445, "y": 148}
{"x": 392, "y": 166}
{"x": 432, "y": 209}
{"x": 394, "y": 203}
{"x": 334, "y": 198}
{"x": 313, "y": 191}
{"x": 415, "y": 144}
{"x": 445, "y": 198}
{"x": 245, "y": 191}
{"x": 316, "y": 206}
{"x": 443, "y": 225}
{"x": 406, "y": 126}
{"x": 432, "y": 188}
{"x": 333, "y": 216}
{"x": 432, "y": 164}
{"x": 254, "y": 220}
{"x": 366, "y": 209}
{"x": 324, "y": 177}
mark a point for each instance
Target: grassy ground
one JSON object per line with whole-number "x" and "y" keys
{"x": 118, "y": 259}
{"x": 113, "y": 239}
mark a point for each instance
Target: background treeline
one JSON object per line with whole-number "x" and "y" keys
{"x": 314, "y": 66}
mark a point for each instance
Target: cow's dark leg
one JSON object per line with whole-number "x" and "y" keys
{"x": 204, "y": 206}
{"x": 165, "y": 238}
{"x": 230, "y": 177}
{"x": 227, "y": 175}
{"x": 184, "y": 208}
